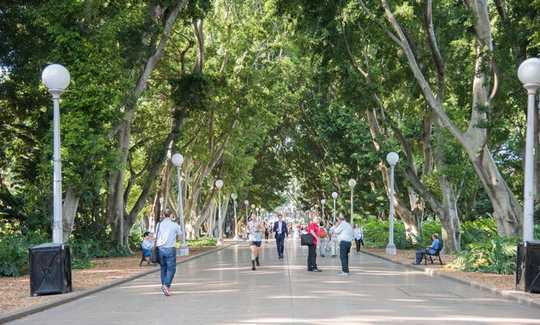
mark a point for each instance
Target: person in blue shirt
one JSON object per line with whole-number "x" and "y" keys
{"x": 435, "y": 246}
{"x": 146, "y": 247}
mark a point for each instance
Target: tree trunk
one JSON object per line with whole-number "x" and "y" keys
{"x": 69, "y": 210}
{"x": 506, "y": 209}
{"x": 450, "y": 221}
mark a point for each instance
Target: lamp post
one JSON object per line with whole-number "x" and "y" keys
{"x": 219, "y": 185}
{"x": 392, "y": 158}
{"x": 234, "y": 196}
{"x": 529, "y": 75}
{"x": 323, "y": 202}
{"x": 334, "y": 196}
{"x": 56, "y": 78}
{"x": 177, "y": 160}
{"x": 352, "y": 184}
{"x": 246, "y": 203}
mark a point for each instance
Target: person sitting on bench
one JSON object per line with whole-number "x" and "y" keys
{"x": 431, "y": 250}
{"x": 146, "y": 247}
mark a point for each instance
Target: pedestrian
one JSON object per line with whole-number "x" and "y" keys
{"x": 332, "y": 244}
{"x": 358, "y": 237}
{"x": 168, "y": 232}
{"x": 435, "y": 246}
{"x": 282, "y": 232}
{"x": 255, "y": 229}
{"x": 313, "y": 229}
{"x": 266, "y": 233}
{"x": 323, "y": 239}
{"x": 345, "y": 235}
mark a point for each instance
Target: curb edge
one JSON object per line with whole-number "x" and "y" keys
{"x": 42, "y": 307}
{"x": 432, "y": 272}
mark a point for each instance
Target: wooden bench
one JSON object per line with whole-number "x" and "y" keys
{"x": 437, "y": 253}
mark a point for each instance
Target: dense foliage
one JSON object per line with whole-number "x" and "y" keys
{"x": 285, "y": 100}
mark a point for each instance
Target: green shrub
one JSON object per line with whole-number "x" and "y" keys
{"x": 376, "y": 234}
{"x": 202, "y": 242}
{"x": 83, "y": 250}
{"x": 14, "y": 251}
{"x": 479, "y": 230}
{"x": 496, "y": 255}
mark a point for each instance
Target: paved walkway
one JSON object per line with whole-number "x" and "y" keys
{"x": 221, "y": 289}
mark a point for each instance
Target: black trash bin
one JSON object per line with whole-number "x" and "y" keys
{"x": 528, "y": 266}
{"x": 50, "y": 269}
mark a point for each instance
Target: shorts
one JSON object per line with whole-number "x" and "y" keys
{"x": 147, "y": 252}
{"x": 256, "y": 243}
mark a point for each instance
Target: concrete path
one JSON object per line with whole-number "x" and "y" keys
{"x": 221, "y": 289}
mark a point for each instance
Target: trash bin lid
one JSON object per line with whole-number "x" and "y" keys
{"x": 48, "y": 245}
{"x": 532, "y": 243}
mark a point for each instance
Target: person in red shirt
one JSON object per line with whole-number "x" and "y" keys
{"x": 313, "y": 229}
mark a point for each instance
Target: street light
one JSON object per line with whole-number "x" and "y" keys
{"x": 177, "y": 160}
{"x": 219, "y": 185}
{"x": 56, "y": 78}
{"x": 234, "y": 196}
{"x": 352, "y": 184}
{"x": 392, "y": 158}
{"x": 529, "y": 75}
{"x": 323, "y": 202}
{"x": 334, "y": 196}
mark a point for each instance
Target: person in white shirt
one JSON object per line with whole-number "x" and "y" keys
{"x": 358, "y": 237}
{"x": 168, "y": 232}
{"x": 345, "y": 235}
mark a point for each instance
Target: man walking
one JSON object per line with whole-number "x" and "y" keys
{"x": 167, "y": 233}
{"x": 345, "y": 236}
{"x": 281, "y": 230}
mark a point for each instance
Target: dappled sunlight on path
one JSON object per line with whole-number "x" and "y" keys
{"x": 220, "y": 288}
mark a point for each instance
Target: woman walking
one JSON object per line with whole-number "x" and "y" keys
{"x": 313, "y": 229}
{"x": 255, "y": 229}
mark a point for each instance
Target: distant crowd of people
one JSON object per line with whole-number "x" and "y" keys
{"x": 330, "y": 239}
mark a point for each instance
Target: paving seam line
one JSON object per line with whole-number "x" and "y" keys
{"x": 39, "y": 308}
{"x": 432, "y": 272}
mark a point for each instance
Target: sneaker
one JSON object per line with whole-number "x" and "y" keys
{"x": 317, "y": 270}
{"x": 343, "y": 273}
{"x": 165, "y": 291}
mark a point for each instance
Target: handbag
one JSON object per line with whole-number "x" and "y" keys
{"x": 306, "y": 239}
{"x": 154, "y": 255}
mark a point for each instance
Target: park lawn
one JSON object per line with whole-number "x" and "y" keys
{"x": 16, "y": 290}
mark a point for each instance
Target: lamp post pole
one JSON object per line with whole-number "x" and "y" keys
{"x": 529, "y": 75}
{"x": 246, "y": 204}
{"x": 392, "y": 158}
{"x": 219, "y": 185}
{"x": 334, "y": 196}
{"x": 234, "y": 196}
{"x": 177, "y": 160}
{"x": 323, "y": 202}
{"x": 56, "y": 78}
{"x": 352, "y": 184}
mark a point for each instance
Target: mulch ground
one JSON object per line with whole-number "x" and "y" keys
{"x": 16, "y": 291}
{"x": 498, "y": 281}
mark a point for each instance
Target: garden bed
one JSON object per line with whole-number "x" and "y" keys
{"x": 16, "y": 290}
